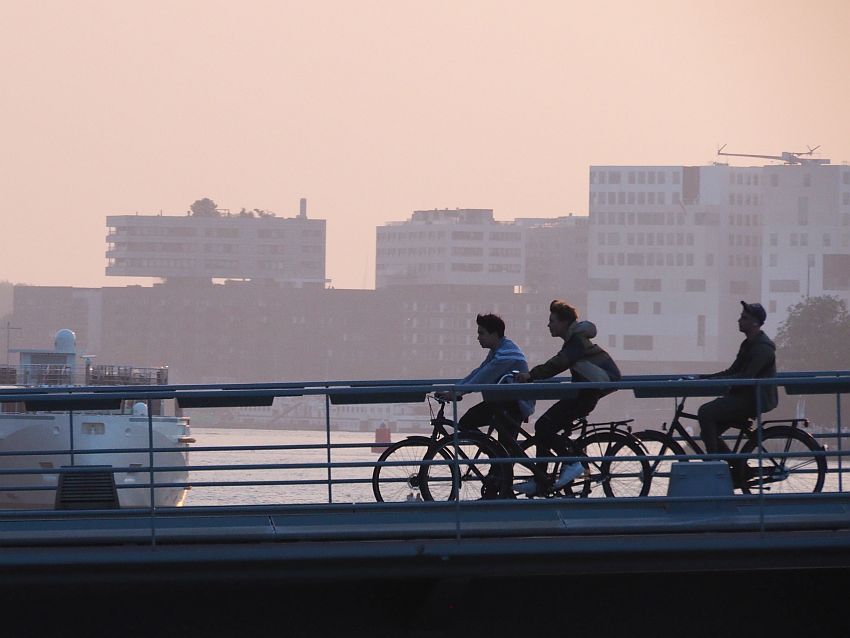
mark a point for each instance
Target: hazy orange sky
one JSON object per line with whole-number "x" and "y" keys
{"x": 371, "y": 109}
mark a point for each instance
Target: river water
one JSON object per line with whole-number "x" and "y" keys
{"x": 359, "y": 491}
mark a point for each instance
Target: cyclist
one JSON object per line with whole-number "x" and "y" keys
{"x": 586, "y": 362}
{"x": 756, "y": 359}
{"x": 504, "y": 357}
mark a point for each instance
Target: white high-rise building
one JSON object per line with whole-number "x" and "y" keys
{"x": 673, "y": 249}
{"x": 807, "y": 236}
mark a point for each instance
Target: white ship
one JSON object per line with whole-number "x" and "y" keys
{"x": 31, "y": 441}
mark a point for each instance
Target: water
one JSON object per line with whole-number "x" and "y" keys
{"x": 360, "y": 492}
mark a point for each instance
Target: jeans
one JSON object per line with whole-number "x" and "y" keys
{"x": 558, "y": 418}
{"x": 493, "y": 413}
{"x": 717, "y": 416}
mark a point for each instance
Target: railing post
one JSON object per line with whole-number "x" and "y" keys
{"x": 838, "y": 437}
{"x": 71, "y": 434}
{"x": 457, "y": 466}
{"x": 151, "y": 474}
{"x": 328, "y": 443}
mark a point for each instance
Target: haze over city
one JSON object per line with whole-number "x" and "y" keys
{"x": 371, "y": 110}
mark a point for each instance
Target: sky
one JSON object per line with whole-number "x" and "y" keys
{"x": 372, "y": 109}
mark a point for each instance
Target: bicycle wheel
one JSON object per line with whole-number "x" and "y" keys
{"x": 786, "y": 474}
{"x": 398, "y": 483}
{"x": 627, "y": 474}
{"x": 471, "y": 475}
{"x": 659, "y": 444}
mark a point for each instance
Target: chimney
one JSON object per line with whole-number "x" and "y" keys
{"x": 302, "y": 208}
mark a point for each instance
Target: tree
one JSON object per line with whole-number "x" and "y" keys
{"x": 204, "y": 208}
{"x": 814, "y": 336}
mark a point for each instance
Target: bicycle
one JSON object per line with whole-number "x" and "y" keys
{"x": 791, "y": 460}
{"x": 403, "y": 480}
{"x": 426, "y": 468}
{"x": 612, "y": 458}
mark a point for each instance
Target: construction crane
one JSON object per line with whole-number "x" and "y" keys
{"x": 787, "y": 157}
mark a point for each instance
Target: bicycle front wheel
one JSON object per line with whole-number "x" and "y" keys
{"x": 624, "y": 473}
{"x": 399, "y": 483}
{"x": 803, "y": 471}
{"x": 472, "y": 474}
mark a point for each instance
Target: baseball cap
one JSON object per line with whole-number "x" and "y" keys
{"x": 755, "y": 310}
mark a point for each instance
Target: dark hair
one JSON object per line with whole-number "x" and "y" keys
{"x": 563, "y": 311}
{"x": 491, "y": 323}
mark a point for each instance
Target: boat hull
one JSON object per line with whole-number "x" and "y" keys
{"x": 35, "y": 446}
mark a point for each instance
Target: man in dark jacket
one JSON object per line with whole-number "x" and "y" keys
{"x": 756, "y": 360}
{"x": 586, "y": 362}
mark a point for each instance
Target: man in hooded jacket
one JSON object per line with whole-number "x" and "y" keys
{"x": 587, "y": 362}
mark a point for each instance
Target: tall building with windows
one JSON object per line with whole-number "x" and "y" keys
{"x": 289, "y": 251}
{"x": 674, "y": 248}
{"x": 807, "y": 236}
{"x": 460, "y": 246}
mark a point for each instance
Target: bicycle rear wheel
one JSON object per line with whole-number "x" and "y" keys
{"x": 659, "y": 444}
{"x": 802, "y": 473}
{"x": 626, "y": 474}
{"x": 471, "y": 474}
{"x": 399, "y": 483}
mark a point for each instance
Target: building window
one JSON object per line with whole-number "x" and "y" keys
{"x": 773, "y": 260}
{"x": 656, "y": 307}
{"x": 802, "y": 211}
{"x": 603, "y": 284}
{"x": 784, "y": 285}
{"x": 695, "y": 285}
{"x": 701, "y": 330}
{"x": 612, "y": 307}
{"x": 637, "y": 342}
{"x": 836, "y": 272}
{"x": 647, "y": 285}
{"x": 630, "y": 307}
{"x": 612, "y": 341}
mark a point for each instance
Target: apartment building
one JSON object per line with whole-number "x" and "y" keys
{"x": 289, "y": 251}
{"x": 461, "y": 246}
{"x": 807, "y": 236}
{"x": 674, "y": 248}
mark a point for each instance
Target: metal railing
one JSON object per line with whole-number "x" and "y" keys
{"x": 329, "y": 468}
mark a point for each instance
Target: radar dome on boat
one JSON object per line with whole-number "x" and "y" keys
{"x": 140, "y": 409}
{"x": 65, "y": 341}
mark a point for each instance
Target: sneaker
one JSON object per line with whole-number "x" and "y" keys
{"x": 569, "y": 473}
{"x": 529, "y": 488}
